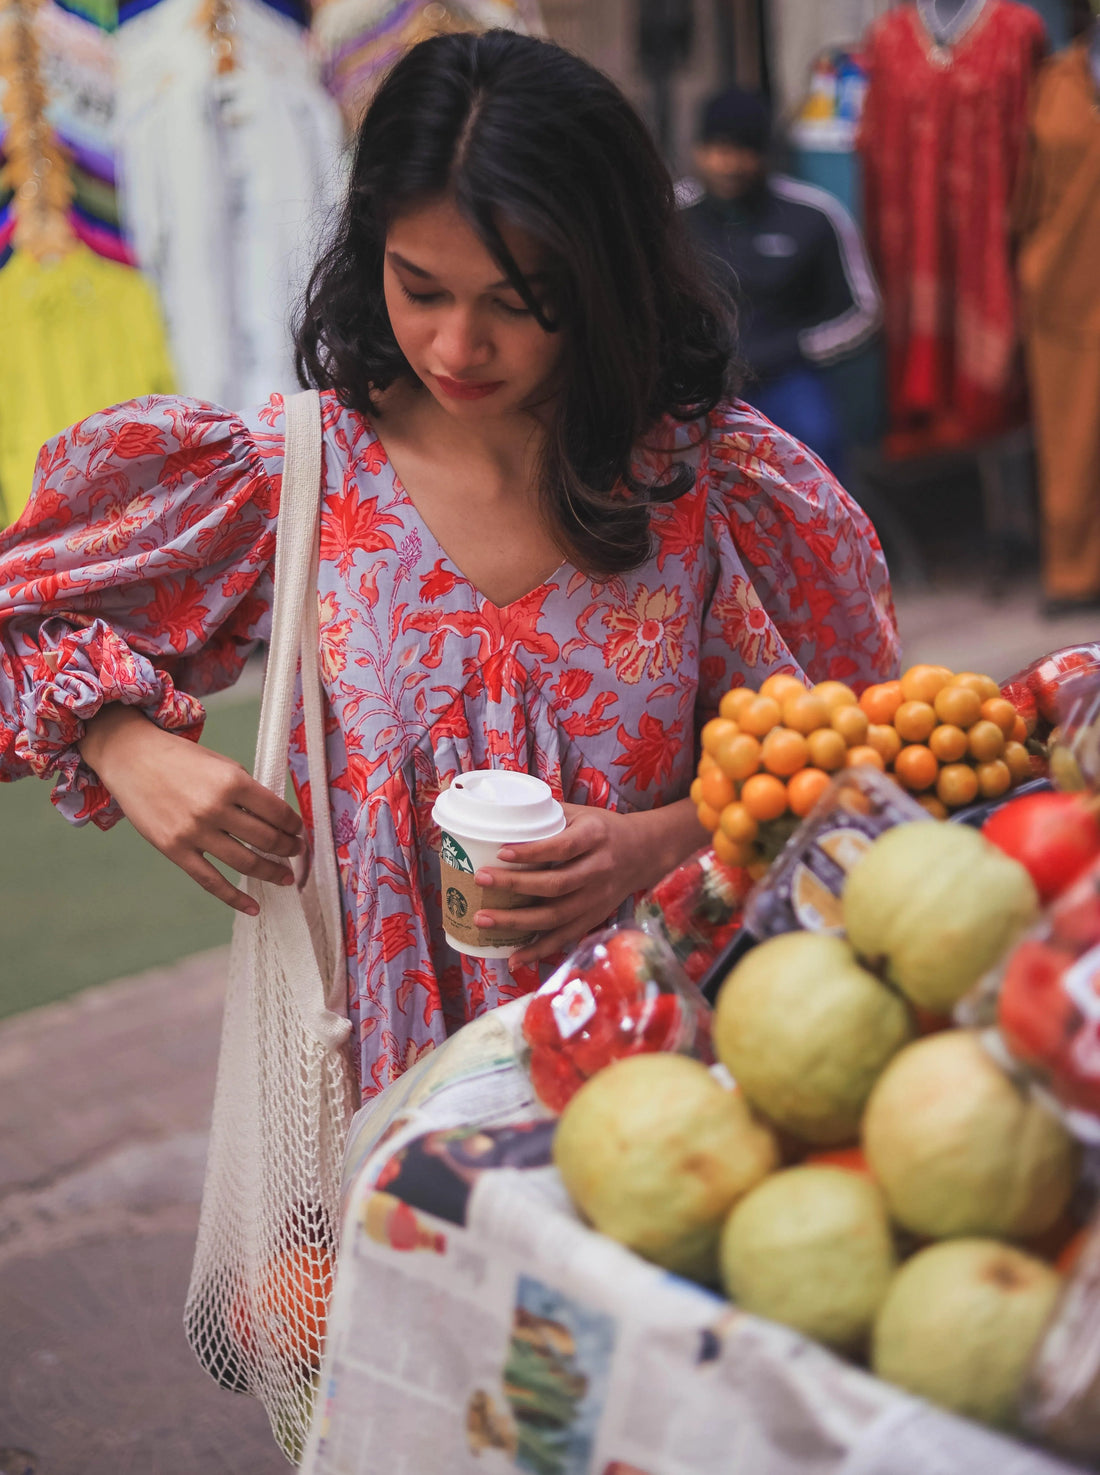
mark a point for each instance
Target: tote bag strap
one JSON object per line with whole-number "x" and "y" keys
{"x": 295, "y": 632}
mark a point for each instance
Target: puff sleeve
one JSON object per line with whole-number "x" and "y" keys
{"x": 139, "y": 572}
{"x": 798, "y": 577}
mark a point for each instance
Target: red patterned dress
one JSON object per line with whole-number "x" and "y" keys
{"x": 942, "y": 137}
{"x": 141, "y": 572}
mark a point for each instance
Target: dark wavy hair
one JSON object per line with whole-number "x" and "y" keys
{"x": 519, "y": 130}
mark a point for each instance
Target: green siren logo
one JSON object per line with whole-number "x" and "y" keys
{"x": 452, "y": 854}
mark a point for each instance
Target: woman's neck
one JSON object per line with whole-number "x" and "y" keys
{"x": 507, "y": 448}
{"x": 947, "y": 20}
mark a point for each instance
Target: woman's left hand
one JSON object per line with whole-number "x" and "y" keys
{"x": 597, "y": 861}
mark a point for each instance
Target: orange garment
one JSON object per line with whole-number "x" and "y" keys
{"x": 1059, "y": 228}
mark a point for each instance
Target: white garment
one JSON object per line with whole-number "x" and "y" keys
{"x": 800, "y": 29}
{"x": 227, "y": 184}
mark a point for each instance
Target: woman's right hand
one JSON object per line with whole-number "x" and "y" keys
{"x": 191, "y": 803}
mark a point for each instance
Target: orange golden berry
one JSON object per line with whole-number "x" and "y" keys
{"x": 708, "y": 817}
{"x": 921, "y": 683}
{"x": 885, "y": 740}
{"x": 936, "y": 807}
{"x": 851, "y": 723}
{"x": 1019, "y": 733}
{"x": 834, "y": 694}
{"x": 828, "y": 749}
{"x": 957, "y": 785}
{"x": 805, "y": 788}
{"x": 985, "y": 686}
{"x": 916, "y": 767}
{"x": 764, "y": 796}
{"x": 784, "y": 751}
{"x": 958, "y": 705}
{"x": 718, "y": 791}
{"x": 948, "y": 742}
{"x": 739, "y": 756}
{"x": 760, "y": 716}
{"x": 986, "y": 741}
{"x": 881, "y": 701}
{"x": 734, "y": 702}
{"x": 914, "y": 721}
{"x": 696, "y": 792}
{"x": 994, "y": 778}
{"x": 803, "y": 712}
{"x": 1002, "y": 712}
{"x": 862, "y": 753}
{"x": 714, "y": 731}
{"x": 737, "y": 824}
{"x": 732, "y": 852}
{"x": 780, "y": 686}
{"x": 1018, "y": 760}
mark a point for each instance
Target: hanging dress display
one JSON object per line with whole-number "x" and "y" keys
{"x": 1059, "y": 268}
{"x": 80, "y": 330}
{"x": 359, "y": 40}
{"x": 231, "y": 165}
{"x": 941, "y": 138}
{"x": 77, "y": 65}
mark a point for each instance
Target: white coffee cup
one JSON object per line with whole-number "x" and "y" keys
{"x": 480, "y": 812}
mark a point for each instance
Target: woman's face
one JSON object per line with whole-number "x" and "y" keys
{"x": 464, "y": 329}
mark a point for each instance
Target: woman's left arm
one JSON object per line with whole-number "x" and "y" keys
{"x": 597, "y": 861}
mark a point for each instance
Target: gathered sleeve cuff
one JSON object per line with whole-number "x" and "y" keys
{"x": 798, "y": 578}
{"x": 140, "y": 572}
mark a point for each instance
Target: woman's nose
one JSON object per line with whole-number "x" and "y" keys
{"x": 459, "y": 342}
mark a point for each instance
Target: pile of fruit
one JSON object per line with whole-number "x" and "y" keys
{"x": 949, "y": 738}
{"x": 875, "y": 1181}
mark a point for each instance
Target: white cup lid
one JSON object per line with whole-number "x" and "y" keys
{"x": 495, "y": 804}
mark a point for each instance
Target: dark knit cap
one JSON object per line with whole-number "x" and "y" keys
{"x": 736, "y": 116}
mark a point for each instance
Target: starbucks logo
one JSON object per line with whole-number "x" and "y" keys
{"x": 456, "y": 903}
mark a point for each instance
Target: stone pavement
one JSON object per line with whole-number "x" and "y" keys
{"x": 102, "y": 1138}
{"x": 102, "y": 1143}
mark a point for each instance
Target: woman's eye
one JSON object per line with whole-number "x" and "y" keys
{"x": 512, "y": 311}
{"x": 419, "y": 296}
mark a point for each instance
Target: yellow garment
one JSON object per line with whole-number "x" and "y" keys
{"x": 80, "y": 334}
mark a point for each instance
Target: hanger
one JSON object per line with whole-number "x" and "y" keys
{"x": 38, "y": 166}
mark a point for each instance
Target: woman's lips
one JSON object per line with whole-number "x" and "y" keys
{"x": 468, "y": 388}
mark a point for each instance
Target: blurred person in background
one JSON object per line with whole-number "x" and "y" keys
{"x": 795, "y": 261}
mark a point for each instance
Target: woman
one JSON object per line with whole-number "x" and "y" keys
{"x": 549, "y": 541}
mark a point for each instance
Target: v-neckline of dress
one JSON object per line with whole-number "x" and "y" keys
{"x": 552, "y": 580}
{"x": 941, "y": 54}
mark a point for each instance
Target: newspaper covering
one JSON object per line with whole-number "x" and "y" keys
{"x": 478, "y": 1326}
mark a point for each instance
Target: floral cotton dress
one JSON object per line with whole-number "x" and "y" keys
{"x": 141, "y": 572}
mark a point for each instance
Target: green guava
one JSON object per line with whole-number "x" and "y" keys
{"x": 811, "y": 1247}
{"x": 960, "y": 1324}
{"x": 959, "y": 1149}
{"x": 805, "y": 1032}
{"x": 655, "y": 1152}
{"x": 931, "y": 907}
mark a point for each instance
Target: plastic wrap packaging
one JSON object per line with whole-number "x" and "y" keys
{"x": 1043, "y": 691}
{"x": 620, "y": 992}
{"x": 1061, "y": 1400}
{"x": 1040, "y": 1010}
{"x": 697, "y": 908}
{"x": 1075, "y": 742}
{"x": 801, "y": 891}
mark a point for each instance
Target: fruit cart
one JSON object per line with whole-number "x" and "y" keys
{"x": 478, "y": 1325}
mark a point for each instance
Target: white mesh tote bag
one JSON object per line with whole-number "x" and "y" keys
{"x": 265, "y": 1256}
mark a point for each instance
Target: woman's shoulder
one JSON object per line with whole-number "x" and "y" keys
{"x": 748, "y": 458}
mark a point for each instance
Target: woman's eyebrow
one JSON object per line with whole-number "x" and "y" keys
{"x": 534, "y": 277}
{"x": 409, "y": 266}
